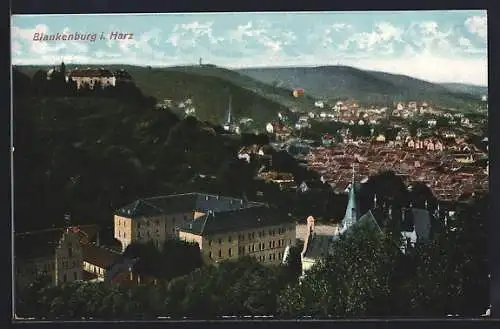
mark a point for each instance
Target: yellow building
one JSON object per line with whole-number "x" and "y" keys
{"x": 157, "y": 219}
{"x": 54, "y": 252}
{"x": 259, "y": 232}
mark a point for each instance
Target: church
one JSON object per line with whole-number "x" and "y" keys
{"x": 415, "y": 226}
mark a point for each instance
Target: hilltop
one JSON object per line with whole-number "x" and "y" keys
{"x": 340, "y": 82}
{"x": 478, "y": 91}
{"x": 209, "y": 87}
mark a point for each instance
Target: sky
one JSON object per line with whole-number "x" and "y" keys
{"x": 437, "y": 46}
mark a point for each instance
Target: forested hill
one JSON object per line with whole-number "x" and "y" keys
{"x": 89, "y": 154}
{"x": 338, "y": 82}
{"x": 209, "y": 87}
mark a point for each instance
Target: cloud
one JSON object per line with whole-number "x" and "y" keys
{"x": 464, "y": 42}
{"x": 189, "y": 34}
{"x": 477, "y": 25}
{"x": 24, "y": 38}
{"x": 428, "y": 49}
{"x": 383, "y": 34}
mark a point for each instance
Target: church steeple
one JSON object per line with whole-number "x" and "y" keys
{"x": 352, "y": 210}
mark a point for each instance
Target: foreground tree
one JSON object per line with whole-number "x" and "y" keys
{"x": 352, "y": 281}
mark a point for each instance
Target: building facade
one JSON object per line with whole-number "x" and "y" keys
{"x": 258, "y": 232}
{"x": 92, "y": 77}
{"x": 224, "y": 228}
{"x": 157, "y": 219}
{"x": 55, "y": 252}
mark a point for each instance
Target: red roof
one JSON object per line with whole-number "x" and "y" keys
{"x": 92, "y": 73}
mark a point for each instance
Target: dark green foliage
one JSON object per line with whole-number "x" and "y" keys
{"x": 165, "y": 263}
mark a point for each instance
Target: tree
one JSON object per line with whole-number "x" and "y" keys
{"x": 353, "y": 281}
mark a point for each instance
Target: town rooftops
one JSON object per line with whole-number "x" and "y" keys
{"x": 182, "y": 203}
{"x": 254, "y": 217}
{"x": 37, "y": 244}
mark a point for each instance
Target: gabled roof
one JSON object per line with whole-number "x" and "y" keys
{"x": 36, "y": 244}
{"x": 254, "y": 217}
{"x": 182, "y": 203}
{"x": 99, "y": 256}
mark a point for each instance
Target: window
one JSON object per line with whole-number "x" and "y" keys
{"x": 65, "y": 278}
{"x": 124, "y": 234}
{"x": 209, "y": 243}
{"x": 220, "y": 241}
{"x": 229, "y": 239}
{"x": 220, "y": 253}
{"x": 279, "y": 256}
{"x": 249, "y": 248}
{"x": 229, "y": 252}
{"x": 119, "y": 234}
{"x": 210, "y": 255}
{"x": 270, "y": 257}
{"x": 253, "y": 247}
{"x": 273, "y": 243}
{"x": 270, "y": 244}
{"x": 274, "y": 256}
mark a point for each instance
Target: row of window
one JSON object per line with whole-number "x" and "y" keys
{"x": 67, "y": 265}
{"x": 262, "y": 246}
{"x": 251, "y": 248}
{"x": 271, "y": 257}
{"x": 229, "y": 253}
{"x": 260, "y": 234}
{"x": 157, "y": 222}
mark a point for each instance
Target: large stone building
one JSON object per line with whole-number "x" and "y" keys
{"x": 259, "y": 232}
{"x": 93, "y": 77}
{"x": 55, "y": 252}
{"x": 224, "y": 227}
{"x": 157, "y": 219}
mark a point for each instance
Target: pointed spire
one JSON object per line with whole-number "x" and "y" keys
{"x": 375, "y": 201}
{"x": 353, "y": 174}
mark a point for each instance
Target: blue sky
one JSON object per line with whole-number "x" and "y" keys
{"x": 438, "y": 46}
